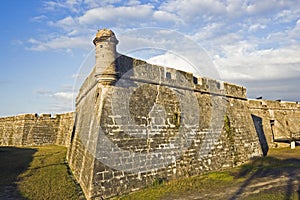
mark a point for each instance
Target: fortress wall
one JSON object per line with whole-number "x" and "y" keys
{"x": 279, "y": 120}
{"x": 157, "y": 123}
{"x": 89, "y": 83}
{"x": 80, "y": 154}
{"x": 65, "y": 128}
{"x": 31, "y": 129}
{"x": 11, "y": 129}
{"x": 40, "y": 130}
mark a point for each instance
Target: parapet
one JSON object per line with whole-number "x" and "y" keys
{"x": 271, "y": 104}
{"x": 139, "y": 70}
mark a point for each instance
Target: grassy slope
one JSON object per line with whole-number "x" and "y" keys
{"x": 40, "y": 173}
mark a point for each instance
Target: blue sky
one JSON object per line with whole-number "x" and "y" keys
{"x": 254, "y": 43}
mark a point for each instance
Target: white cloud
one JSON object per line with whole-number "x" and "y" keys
{"x": 267, "y": 6}
{"x": 285, "y": 16}
{"x": 72, "y": 5}
{"x": 173, "y": 61}
{"x": 209, "y": 31}
{"x": 162, "y": 16}
{"x": 215, "y": 10}
{"x": 62, "y": 42}
{"x": 116, "y": 14}
{"x": 194, "y": 10}
{"x": 295, "y": 32}
{"x": 39, "y": 18}
{"x": 62, "y": 95}
{"x": 243, "y": 61}
{"x": 255, "y": 27}
{"x": 97, "y": 3}
{"x": 68, "y": 96}
{"x": 58, "y": 102}
{"x": 64, "y": 23}
{"x": 133, "y": 2}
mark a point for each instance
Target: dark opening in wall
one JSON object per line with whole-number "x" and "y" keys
{"x": 258, "y": 124}
{"x": 73, "y": 130}
{"x": 195, "y": 80}
{"x": 96, "y": 97}
{"x": 272, "y": 123}
{"x": 101, "y": 46}
{"x": 168, "y": 75}
{"x": 177, "y": 119}
{"x": 218, "y": 85}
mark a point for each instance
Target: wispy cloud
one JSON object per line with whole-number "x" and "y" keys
{"x": 72, "y": 5}
{"x": 60, "y": 42}
{"x": 39, "y": 18}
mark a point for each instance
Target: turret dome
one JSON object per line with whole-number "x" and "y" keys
{"x": 105, "y": 34}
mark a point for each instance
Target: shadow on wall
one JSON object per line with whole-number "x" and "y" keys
{"x": 260, "y": 133}
{"x": 13, "y": 162}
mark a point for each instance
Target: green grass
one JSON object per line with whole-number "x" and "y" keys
{"x": 179, "y": 188}
{"x": 40, "y": 173}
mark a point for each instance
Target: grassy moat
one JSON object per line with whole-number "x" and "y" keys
{"x": 42, "y": 173}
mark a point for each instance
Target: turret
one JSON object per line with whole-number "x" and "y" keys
{"x": 105, "y": 43}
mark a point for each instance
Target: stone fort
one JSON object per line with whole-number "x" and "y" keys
{"x": 136, "y": 123}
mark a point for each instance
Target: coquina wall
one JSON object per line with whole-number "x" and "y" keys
{"x": 278, "y": 121}
{"x": 156, "y": 123}
{"x": 31, "y": 129}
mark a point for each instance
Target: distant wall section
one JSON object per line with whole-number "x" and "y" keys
{"x": 279, "y": 121}
{"x": 31, "y": 129}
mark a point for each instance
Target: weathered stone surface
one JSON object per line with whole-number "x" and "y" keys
{"x": 280, "y": 120}
{"x": 31, "y": 129}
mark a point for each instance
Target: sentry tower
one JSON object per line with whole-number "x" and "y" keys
{"x": 105, "y": 43}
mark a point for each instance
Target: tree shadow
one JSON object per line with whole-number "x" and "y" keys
{"x": 267, "y": 170}
{"x": 13, "y": 162}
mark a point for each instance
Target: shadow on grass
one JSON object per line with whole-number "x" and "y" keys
{"x": 13, "y": 162}
{"x": 261, "y": 173}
